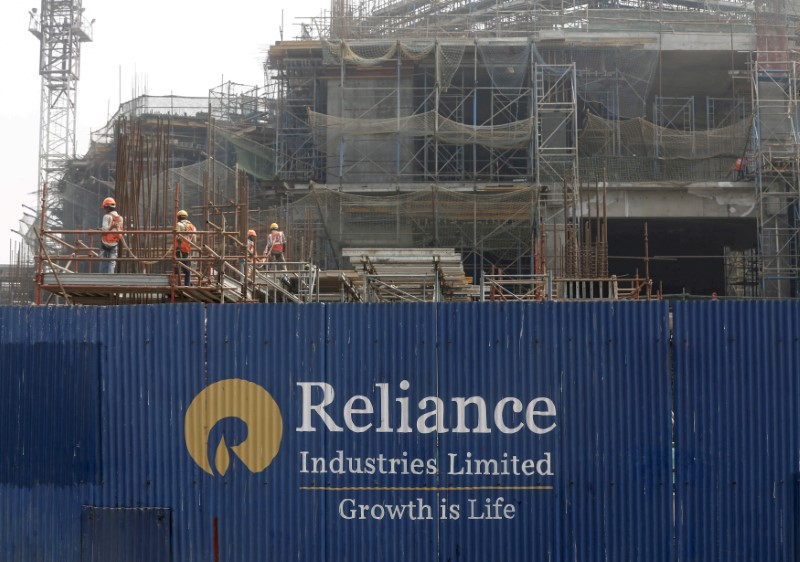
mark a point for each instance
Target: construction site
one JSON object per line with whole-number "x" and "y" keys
{"x": 560, "y": 162}
{"x": 448, "y": 150}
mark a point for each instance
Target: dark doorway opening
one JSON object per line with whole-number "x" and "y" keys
{"x": 686, "y": 255}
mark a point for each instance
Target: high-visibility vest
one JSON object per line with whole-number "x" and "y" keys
{"x": 112, "y": 228}
{"x": 182, "y": 243}
{"x": 275, "y": 241}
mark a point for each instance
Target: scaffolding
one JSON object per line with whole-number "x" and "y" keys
{"x": 446, "y": 111}
{"x": 16, "y": 278}
{"x": 776, "y": 155}
{"x": 483, "y": 127}
{"x": 459, "y": 113}
{"x": 742, "y": 273}
{"x": 371, "y": 19}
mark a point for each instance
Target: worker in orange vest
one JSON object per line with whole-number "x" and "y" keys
{"x": 109, "y": 241}
{"x": 183, "y": 244}
{"x": 276, "y": 246}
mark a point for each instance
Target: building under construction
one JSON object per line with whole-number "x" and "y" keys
{"x": 543, "y": 150}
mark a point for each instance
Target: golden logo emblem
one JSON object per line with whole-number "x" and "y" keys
{"x": 234, "y": 398}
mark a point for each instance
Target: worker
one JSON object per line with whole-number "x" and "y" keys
{"x": 109, "y": 241}
{"x": 183, "y": 243}
{"x": 250, "y": 255}
{"x": 738, "y": 169}
{"x": 276, "y": 246}
{"x": 251, "y": 245}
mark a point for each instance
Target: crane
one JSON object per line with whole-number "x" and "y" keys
{"x": 61, "y": 28}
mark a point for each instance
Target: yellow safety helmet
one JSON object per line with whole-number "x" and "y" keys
{"x": 274, "y": 225}
{"x": 251, "y": 233}
{"x": 183, "y": 214}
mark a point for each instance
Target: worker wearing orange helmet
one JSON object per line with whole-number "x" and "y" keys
{"x": 276, "y": 245}
{"x": 109, "y": 241}
{"x": 183, "y": 244}
{"x": 250, "y": 257}
{"x": 251, "y": 244}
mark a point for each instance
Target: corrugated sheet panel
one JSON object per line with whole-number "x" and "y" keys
{"x": 98, "y": 393}
{"x": 344, "y": 432}
{"x": 263, "y": 515}
{"x": 606, "y": 367}
{"x": 155, "y": 363}
{"x": 737, "y": 430}
{"x": 48, "y": 437}
{"x": 371, "y": 352}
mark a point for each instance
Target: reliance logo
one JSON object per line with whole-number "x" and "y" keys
{"x": 234, "y": 398}
{"x": 385, "y": 410}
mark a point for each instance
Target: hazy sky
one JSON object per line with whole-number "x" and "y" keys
{"x": 180, "y": 47}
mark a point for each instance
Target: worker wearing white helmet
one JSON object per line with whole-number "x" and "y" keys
{"x": 276, "y": 246}
{"x": 109, "y": 241}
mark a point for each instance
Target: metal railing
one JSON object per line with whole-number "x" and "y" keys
{"x": 546, "y": 287}
{"x": 402, "y": 288}
{"x": 69, "y": 263}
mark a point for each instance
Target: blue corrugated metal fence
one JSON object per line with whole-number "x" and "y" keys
{"x": 737, "y": 430}
{"x": 389, "y": 432}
